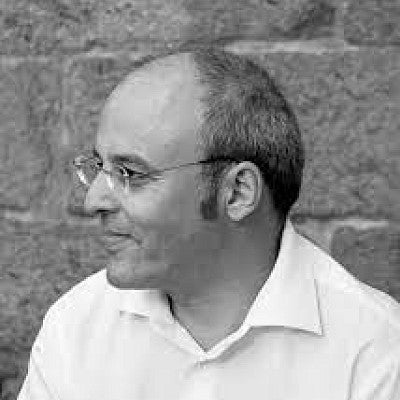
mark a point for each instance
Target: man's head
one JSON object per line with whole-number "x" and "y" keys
{"x": 169, "y": 229}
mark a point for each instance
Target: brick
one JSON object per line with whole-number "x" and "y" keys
{"x": 88, "y": 82}
{"x": 29, "y": 110}
{"x": 372, "y": 22}
{"x": 11, "y": 388}
{"x": 39, "y": 263}
{"x": 8, "y": 370}
{"x": 348, "y": 109}
{"x": 263, "y": 19}
{"x": 372, "y": 255}
{"x": 16, "y": 26}
{"x": 45, "y": 26}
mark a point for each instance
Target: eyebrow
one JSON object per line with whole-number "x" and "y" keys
{"x": 128, "y": 157}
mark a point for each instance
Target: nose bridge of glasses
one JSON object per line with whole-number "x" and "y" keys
{"x": 103, "y": 173}
{"x": 100, "y": 194}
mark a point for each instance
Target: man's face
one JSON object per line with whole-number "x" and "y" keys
{"x": 154, "y": 233}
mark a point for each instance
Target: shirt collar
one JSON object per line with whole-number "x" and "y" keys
{"x": 288, "y": 298}
{"x": 150, "y": 303}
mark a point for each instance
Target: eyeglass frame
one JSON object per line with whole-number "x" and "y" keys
{"x": 79, "y": 160}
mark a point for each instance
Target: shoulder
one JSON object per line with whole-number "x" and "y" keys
{"x": 79, "y": 302}
{"x": 85, "y": 291}
{"x": 348, "y": 304}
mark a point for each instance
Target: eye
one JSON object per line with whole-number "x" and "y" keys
{"x": 131, "y": 173}
{"x": 135, "y": 174}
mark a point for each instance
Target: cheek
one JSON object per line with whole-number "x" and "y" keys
{"x": 163, "y": 211}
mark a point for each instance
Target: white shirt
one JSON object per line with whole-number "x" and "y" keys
{"x": 313, "y": 333}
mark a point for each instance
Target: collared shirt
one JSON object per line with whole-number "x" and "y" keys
{"x": 313, "y": 332}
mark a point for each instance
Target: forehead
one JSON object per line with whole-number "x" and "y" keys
{"x": 156, "y": 113}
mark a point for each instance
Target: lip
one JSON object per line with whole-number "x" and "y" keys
{"x": 111, "y": 232}
{"x": 116, "y": 241}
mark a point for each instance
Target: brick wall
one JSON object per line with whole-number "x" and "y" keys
{"x": 337, "y": 61}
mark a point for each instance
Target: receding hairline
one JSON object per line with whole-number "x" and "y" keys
{"x": 174, "y": 62}
{"x": 178, "y": 73}
{"x": 180, "y": 69}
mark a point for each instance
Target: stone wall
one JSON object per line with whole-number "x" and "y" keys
{"x": 337, "y": 61}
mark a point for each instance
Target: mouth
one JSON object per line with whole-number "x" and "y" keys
{"x": 116, "y": 241}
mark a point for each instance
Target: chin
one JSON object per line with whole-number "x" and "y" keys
{"x": 119, "y": 282}
{"x": 123, "y": 276}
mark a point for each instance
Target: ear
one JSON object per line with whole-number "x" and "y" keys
{"x": 243, "y": 190}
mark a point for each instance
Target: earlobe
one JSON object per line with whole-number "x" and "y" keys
{"x": 236, "y": 214}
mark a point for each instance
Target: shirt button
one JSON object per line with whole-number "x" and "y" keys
{"x": 200, "y": 364}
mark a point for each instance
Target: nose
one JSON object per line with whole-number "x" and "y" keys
{"x": 100, "y": 197}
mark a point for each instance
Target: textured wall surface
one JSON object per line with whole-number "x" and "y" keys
{"x": 337, "y": 61}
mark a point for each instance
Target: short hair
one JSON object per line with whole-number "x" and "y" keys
{"x": 246, "y": 117}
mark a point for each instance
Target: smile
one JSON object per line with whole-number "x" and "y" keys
{"x": 114, "y": 242}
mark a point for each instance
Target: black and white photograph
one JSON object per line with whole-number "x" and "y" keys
{"x": 200, "y": 200}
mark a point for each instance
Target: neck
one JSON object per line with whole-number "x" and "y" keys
{"x": 214, "y": 308}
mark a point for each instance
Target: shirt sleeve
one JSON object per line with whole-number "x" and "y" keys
{"x": 36, "y": 385}
{"x": 380, "y": 381}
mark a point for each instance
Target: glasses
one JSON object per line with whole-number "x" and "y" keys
{"x": 119, "y": 176}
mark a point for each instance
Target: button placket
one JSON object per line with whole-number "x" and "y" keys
{"x": 202, "y": 382}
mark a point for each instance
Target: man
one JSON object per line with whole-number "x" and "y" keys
{"x": 209, "y": 293}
